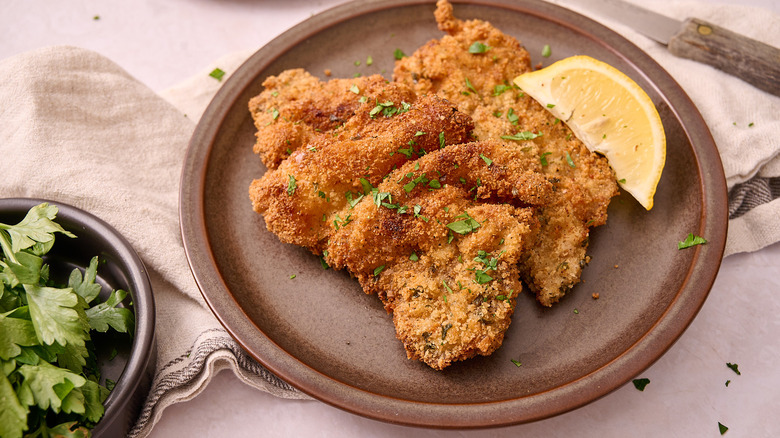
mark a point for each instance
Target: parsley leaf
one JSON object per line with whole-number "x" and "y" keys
{"x": 690, "y": 241}
{"x": 399, "y": 54}
{"x": 291, "y": 185}
{"x": 465, "y": 226}
{"x": 37, "y": 226}
{"x": 721, "y": 428}
{"x": 640, "y": 383}
{"x": 478, "y": 47}
{"x": 543, "y": 158}
{"x": 569, "y": 161}
{"x": 85, "y": 285}
{"x": 57, "y": 315}
{"x": 499, "y": 90}
{"x": 522, "y": 136}
{"x": 13, "y": 416}
{"x": 108, "y": 314}
{"x": 217, "y": 74}
{"x": 546, "y": 51}
{"x": 41, "y": 382}
{"x": 734, "y": 367}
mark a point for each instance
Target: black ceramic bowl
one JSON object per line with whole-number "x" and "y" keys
{"x": 120, "y": 268}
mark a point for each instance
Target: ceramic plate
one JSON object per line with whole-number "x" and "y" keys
{"x": 323, "y": 335}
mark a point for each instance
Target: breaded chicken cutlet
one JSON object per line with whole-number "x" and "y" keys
{"x": 440, "y": 243}
{"x": 473, "y": 66}
{"x": 310, "y": 194}
{"x": 398, "y": 177}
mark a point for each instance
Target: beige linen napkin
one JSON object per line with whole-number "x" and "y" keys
{"x": 76, "y": 128}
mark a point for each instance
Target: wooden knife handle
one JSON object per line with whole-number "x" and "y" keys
{"x": 750, "y": 60}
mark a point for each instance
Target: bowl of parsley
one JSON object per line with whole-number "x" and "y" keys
{"x": 77, "y": 344}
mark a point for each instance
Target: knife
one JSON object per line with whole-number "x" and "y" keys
{"x": 750, "y": 60}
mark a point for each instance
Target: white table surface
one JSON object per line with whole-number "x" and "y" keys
{"x": 162, "y": 42}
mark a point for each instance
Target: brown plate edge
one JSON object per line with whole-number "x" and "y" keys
{"x": 600, "y": 382}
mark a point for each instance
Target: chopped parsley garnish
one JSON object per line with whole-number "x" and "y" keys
{"x": 487, "y": 160}
{"x": 367, "y": 187}
{"x": 478, "y": 47}
{"x": 434, "y": 184}
{"x": 516, "y": 362}
{"x": 470, "y": 86}
{"x": 481, "y": 277}
{"x": 465, "y": 226}
{"x": 342, "y": 222}
{"x": 569, "y": 161}
{"x": 369, "y": 60}
{"x": 734, "y": 367}
{"x": 292, "y": 276}
{"x": 622, "y": 180}
{"x": 640, "y": 383}
{"x": 690, "y": 241}
{"x": 378, "y": 270}
{"x": 499, "y": 90}
{"x": 379, "y": 197}
{"x": 322, "y": 260}
{"x": 543, "y": 158}
{"x": 291, "y": 185}
{"x": 446, "y": 287}
{"x": 354, "y": 88}
{"x": 419, "y": 133}
{"x": 546, "y": 51}
{"x": 722, "y": 429}
{"x": 414, "y": 257}
{"x": 522, "y": 136}
{"x": 406, "y": 152}
{"x": 727, "y": 383}
{"x": 398, "y": 54}
{"x": 217, "y": 74}
{"x": 441, "y": 139}
{"x": 550, "y": 105}
{"x": 352, "y": 201}
{"x": 388, "y": 109}
{"x": 512, "y": 116}
{"x": 274, "y": 113}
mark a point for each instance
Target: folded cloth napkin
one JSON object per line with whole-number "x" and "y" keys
{"x": 76, "y": 128}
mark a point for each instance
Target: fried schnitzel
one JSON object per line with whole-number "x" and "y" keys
{"x": 442, "y": 247}
{"x": 439, "y": 191}
{"x": 310, "y": 194}
{"x": 388, "y": 184}
{"x": 473, "y": 67}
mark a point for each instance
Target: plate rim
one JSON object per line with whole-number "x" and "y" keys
{"x": 666, "y": 330}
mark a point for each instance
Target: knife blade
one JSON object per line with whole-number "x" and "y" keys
{"x": 752, "y": 61}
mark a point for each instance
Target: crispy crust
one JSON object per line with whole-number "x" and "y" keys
{"x": 480, "y": 84}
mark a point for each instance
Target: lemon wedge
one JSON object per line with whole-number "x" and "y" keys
{"x": 610, "y": 114}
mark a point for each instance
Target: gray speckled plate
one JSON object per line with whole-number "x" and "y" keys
{"x": 322, "y": 334}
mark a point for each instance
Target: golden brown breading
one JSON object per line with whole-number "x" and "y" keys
{"x": 296, "y": 108}
{"x": 440, "y": 241}
{"x": 480, "y": 84}
{"x": 309, "y": 194}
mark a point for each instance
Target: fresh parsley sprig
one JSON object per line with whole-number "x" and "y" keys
{"x": 50, "y": 381}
